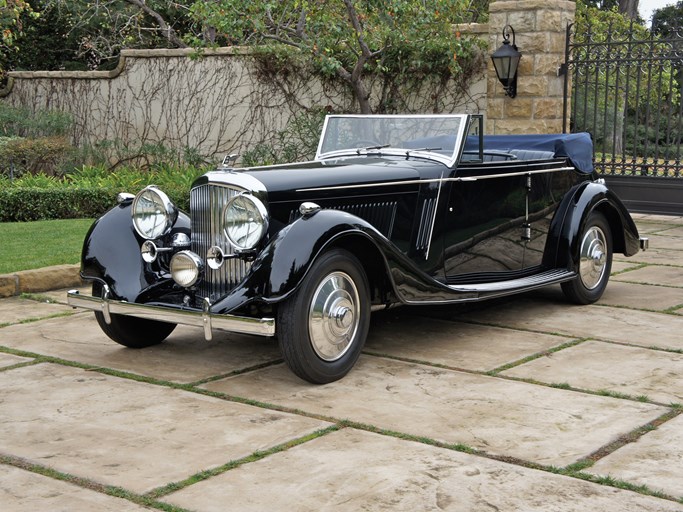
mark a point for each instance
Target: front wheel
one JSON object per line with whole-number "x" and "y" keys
{"x": 130, "y": 331}
{"x": 322, "y": 327}
{"x": 595, "y": 262}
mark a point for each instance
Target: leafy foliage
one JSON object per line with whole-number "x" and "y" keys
{"x": 668, "y": 21}
{"x": 80, "y": 34}
{"x": 344, "y": 40}
{"x": 11, "y": 12}
{"x": 349, "y": 40}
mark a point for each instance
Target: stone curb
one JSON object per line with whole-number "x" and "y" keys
{"x": 40, "y": 280}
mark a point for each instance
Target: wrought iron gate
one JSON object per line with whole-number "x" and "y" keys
{"x": 626, "y": 90}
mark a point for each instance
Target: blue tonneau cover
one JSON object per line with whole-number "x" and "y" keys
{"x": 577, "y": 147}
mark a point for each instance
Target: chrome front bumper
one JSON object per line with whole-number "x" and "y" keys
{"x": 208, "y": 321}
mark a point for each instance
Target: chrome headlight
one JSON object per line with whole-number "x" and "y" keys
{"x": 153, "y": 213}
{"x": 246, "y": 221}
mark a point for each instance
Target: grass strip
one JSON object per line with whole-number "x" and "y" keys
{"x": 85, "y": 483}
{"x": 59, "y": 243}
{"x": 254, "y": 457}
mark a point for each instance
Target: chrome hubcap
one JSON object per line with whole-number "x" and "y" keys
{"x": 593, "y": 263}
{"x": 334, "y": 316}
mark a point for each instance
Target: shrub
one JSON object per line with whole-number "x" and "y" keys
{"x": 22, "y": 122}
{"x": 19, "y": 156}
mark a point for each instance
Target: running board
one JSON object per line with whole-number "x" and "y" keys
{"x": 500, "y": 288}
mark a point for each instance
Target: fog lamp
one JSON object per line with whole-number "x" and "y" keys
{"x": 186, "y": 268}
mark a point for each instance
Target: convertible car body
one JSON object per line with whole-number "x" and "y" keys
{"x": 393, "y": 210}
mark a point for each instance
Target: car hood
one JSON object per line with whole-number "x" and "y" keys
{"x": 357, "y": 176}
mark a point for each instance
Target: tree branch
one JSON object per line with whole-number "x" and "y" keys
{"x": 166, "y": 29}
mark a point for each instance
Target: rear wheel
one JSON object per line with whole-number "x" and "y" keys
{"x": 595, "y": 262}
{"x": 131, "y": 331}
{"x": 322, "y": 327}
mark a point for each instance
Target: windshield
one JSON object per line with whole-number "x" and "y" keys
{"x": 435, "y": 136}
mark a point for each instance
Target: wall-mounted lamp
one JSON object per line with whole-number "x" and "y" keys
{"x": 505, "y": 60}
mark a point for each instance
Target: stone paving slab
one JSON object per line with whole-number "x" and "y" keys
{"x": 654, "y": 255}
{"x": 10, "y": 360}
{"x": 666, "y": 242}
{"x": 647, "y": 226}
{"x": 184, "y": 357}
{"x": 454, "y": 344}
{"x": 130, "y": 434}
{"x": 530, "y": 422}
{"x": 545, "y": 311}
{"x": 673, "y": 231}
{"x": 620, "y": 266}
{"x": 23, "y": 491}
{"x": 653, "y": 274}
{"x": 16, "y": 309}
{"x": 655, "y": 460}
{"x": 596, "y": 365}
{"x": 642, "y": 296}
{"x": 654, "y": 217}
{"x": 354, "y": 470}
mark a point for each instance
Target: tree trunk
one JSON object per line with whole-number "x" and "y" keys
{"x": 629, "y": 8}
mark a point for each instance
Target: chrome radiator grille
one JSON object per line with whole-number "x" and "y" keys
{"x": 206, "y": 208}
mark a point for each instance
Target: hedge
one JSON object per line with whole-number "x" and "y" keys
{"x": 26, "y": 204}
{"x": 19, "y": 204}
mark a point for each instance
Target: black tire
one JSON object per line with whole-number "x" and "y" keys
{"x": 595, "y": 262}
{"x": 131, "y": 331}
{"x": 322, "y": 327}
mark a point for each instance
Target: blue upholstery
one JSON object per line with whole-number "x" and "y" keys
{"x": 530, "y": 154}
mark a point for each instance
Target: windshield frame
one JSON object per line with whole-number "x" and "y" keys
{"x": 448, "y": 160}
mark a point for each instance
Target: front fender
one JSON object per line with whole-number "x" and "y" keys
{"x": 589, "y": 197}
{"x": 283, "y": 263}
{"x": 111, "y": 255}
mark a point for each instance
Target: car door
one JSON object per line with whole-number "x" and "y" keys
{"x": 485, "y": 222}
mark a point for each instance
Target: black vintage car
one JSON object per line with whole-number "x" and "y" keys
{"x": 393, "y": 210}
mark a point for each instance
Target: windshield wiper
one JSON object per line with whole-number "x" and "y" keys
{"x": 368, "y": 148}
{"x": 409, "y": 151}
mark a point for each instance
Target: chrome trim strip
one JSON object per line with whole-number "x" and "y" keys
{"x": 204, "y": 319}
{"x": 436, "y": 180}
{"x": 473, "y": 292}
{"x": 508, "y": 174}
{"x": 431, "y": 229}
{"x": 426, "y": 215}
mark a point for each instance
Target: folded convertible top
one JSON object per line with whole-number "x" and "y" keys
{"x": 577, "y": 147}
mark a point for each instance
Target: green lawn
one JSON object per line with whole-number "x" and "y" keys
{"x": 27, "y": 245}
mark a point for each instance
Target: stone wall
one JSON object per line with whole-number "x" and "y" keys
{"x": 218, "y": 103}
{"x": 540, "y": 28}
{"x": 223, "y": 103}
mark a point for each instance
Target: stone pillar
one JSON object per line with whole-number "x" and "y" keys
{"x": 540, "y": 31}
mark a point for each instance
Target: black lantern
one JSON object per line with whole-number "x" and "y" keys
{"x": 505, "y": 60}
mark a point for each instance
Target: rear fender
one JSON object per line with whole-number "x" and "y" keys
{"x": 589, "y": 197}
